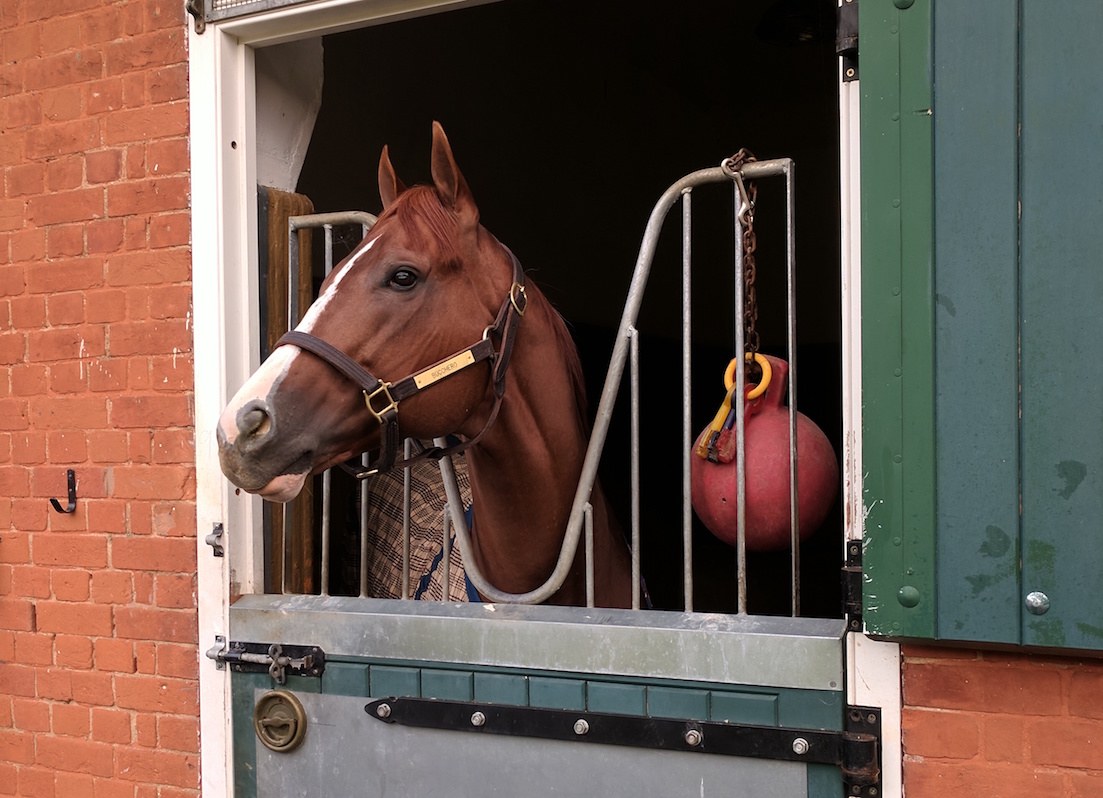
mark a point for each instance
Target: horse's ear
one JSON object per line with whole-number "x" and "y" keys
{"x": 447, "y": 178}
{"x": 389, "y": 184}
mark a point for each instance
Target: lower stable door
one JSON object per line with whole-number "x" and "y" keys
{"x": 387, "y": 698}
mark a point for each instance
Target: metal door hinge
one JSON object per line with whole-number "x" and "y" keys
{"x": 846, "y": 38}
{"x": 856, "y": 750}
{"x": 852, "y": 586}
{"x": 197, "y": 10}
{"x": 214, "y": 540}
{"x": 278, "y": 659}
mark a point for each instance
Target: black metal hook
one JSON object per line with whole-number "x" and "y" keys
{"x": 72, "y": 480}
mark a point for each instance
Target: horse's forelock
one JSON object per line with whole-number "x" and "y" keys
{"x": 426, "y": 223}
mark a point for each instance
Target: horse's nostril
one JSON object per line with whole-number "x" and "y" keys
{"x": 253, "y": 422}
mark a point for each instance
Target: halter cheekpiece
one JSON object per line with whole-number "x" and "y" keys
{"x": 382, "y": 397}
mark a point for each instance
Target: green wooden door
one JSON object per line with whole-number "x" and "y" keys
{"x": 982, "y": 224}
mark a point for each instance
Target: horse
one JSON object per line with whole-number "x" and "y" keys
{"x": 426, "y": 282}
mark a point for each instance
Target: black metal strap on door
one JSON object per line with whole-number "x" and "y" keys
{"x": 855, "y": 750}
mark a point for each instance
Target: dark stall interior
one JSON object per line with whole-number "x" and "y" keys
{"x": 569, "y": 119}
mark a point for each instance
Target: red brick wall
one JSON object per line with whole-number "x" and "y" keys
{"x": 1001, "y": 725}
{"x": 98, "y": 648}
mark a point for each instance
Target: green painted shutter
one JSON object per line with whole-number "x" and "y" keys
{"x": 982, "y": 306}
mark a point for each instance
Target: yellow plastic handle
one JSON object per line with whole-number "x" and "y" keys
{"x": 763, "y": 384}
{"x": 726, "y": 406}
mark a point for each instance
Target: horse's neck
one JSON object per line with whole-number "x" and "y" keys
{"x": 525, "y": 470}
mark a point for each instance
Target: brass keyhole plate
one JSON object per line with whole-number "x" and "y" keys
{"x": 279, "y": 721}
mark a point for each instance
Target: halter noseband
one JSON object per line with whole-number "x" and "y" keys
{"x": 382, "y": 397}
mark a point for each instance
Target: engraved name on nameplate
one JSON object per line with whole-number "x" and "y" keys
{"x": 442, "y": 370}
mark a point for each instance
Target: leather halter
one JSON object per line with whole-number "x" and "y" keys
{"x": 382, "y": 397}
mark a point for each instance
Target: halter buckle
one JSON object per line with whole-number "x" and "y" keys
{"x": 391, "y": 405}
{"x": 518, "y": 298}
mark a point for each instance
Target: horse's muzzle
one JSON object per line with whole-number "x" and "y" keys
{"x": 251, "y": 454}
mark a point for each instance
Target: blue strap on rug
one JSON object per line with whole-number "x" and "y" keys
{"x": 423, "y": 582}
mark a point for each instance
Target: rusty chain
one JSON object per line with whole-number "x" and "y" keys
{"x": 750, "y": 242}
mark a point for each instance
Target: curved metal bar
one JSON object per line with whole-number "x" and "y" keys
{"x": 613, "y": 377}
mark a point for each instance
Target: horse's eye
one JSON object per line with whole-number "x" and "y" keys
{"x": 404, "y": 278}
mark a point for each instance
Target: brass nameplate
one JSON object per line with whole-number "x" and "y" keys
{"x": 442, "y": 370}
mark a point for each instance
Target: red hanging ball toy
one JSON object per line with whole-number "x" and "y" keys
{"x": 713, "y": 478}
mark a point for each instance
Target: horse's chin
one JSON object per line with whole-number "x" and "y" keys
{"x": 283, "y": 488}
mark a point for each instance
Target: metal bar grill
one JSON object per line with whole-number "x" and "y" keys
{"x": 326, "y": 221}
{"x": 626, "y": 352}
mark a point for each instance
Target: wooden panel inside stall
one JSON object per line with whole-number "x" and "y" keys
{"x": 276, "y": 207}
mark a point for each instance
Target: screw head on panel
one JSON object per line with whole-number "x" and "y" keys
{"x": 1037, "y": 603}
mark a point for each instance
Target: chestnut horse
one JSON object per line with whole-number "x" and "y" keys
{"x": 428, "y": 285}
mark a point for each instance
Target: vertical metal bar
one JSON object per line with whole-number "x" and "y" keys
{"x": 327, "y": 475}
{"x": 327, "y": 479}
{"x": 365, "y": 551}
{"x": 292, "y": 320}
{"x": 446, "y": 554}
{"x": 407, "y": 450}
{"x": 292, "y": 276}
{"x": 288, "y": 521}
{"x": 740, "y": 431}
{"x": 328, "y": 228}
{"x": 634, "y": 379}
{"x": 791, "y": 335}
{"x": 687, "y": 428}
{"x": 588, "y": 520}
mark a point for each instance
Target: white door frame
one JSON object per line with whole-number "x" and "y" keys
{"x": 873, "y": 667}
{"x": 224, "y": 279}
{"x": 225, "y": 315}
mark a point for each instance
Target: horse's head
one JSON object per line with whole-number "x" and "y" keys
{"x": 424, "y": 284}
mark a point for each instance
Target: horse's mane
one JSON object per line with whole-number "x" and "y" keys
{"x": 568, "y": 349}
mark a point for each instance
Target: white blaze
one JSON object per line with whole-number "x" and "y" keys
{"x": 272, "y": 372}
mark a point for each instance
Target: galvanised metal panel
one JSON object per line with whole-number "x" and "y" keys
{"x": 639, "y": 663}
{"x": 802, "y": 653}
{"x": 897, "y": 318}
{"x": 1062, "y": 319}
{"x": 384, "y": 752}
{"x": 346, "y": 752}
{"x": 976, "y": 320}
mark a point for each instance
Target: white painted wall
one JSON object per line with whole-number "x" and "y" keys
{"x": 289, "y": 93}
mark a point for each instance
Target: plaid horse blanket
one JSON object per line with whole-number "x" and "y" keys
{"x": 384, "y": 531}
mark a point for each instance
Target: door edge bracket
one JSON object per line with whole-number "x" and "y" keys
{"x": 852, "y": 586}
